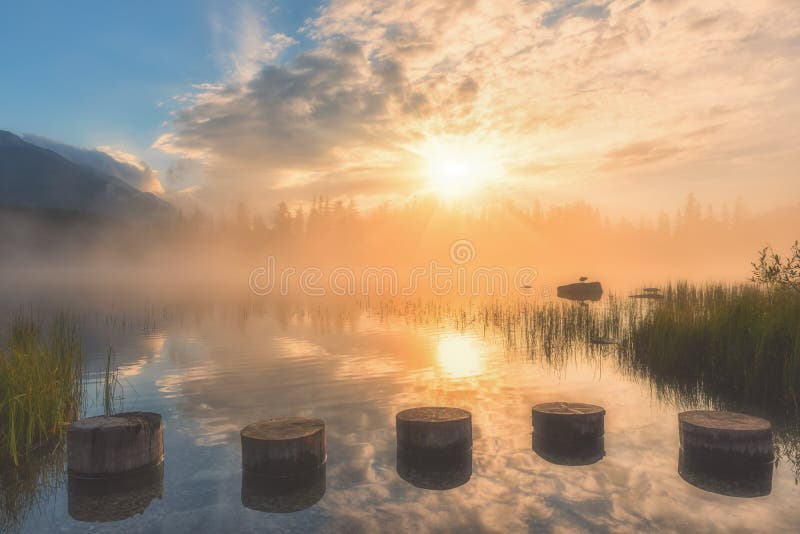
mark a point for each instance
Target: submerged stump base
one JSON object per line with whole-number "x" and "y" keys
{"x": 568, "y": 433}
{"x": 283, "y": 464}
{"x": 434, "y": 471}
{"x": 288, "y": 447}
{"x": 726, "y": 436}
{"x": 100, "y": 500}
{"x": 744, "y": 480}
{"x": 434, "y": 431}
{"x": 434, "y": 447}
{"x": 726, "y": 452}
{"x": 282, "y": 495}
{"x": 115, "y": 445}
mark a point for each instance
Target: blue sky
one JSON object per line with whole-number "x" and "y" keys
{"x": 620, "y": 100}
{"x": 96, "y": 72}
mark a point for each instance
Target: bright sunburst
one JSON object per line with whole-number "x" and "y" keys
{"x": 459, "y": 356}
{"x": 457, "y": 167}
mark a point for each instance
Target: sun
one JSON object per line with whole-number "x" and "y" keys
{"x": 459, "y": 356}
{"x": 457, "y": 167}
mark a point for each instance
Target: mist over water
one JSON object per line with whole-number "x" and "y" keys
{"x": 202, "y": 254}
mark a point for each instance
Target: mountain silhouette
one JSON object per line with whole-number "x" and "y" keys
{"x": 35, "y": 177}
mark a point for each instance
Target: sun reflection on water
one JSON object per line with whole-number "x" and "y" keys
{"x": 460, "y": 356}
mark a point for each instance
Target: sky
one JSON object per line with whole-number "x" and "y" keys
{"x": 627, "y": 104}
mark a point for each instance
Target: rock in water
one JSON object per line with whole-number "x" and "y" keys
{"x": 581, "y": 291}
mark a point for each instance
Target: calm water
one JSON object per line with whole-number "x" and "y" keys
{"x": 209, "y": 374}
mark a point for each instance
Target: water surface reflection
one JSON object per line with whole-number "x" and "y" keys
{"x": 211, "y": 374}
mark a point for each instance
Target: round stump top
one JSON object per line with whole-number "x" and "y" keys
{"x": 120, "y": 420}
{"x": 568, "y": 408}
{"x": 728, "y": 421}
{"x": 431, "y": 414}
{"x": 283, "y": 429}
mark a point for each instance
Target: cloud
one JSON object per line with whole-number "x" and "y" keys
{"x": 590, "y": 90}
{"x": 107, "y": 160}
{"x": 640, "y": 153}
{"x": 314, "y": 115}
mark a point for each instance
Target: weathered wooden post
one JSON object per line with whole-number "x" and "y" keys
{"x": 568, "y": 433}
{"x": 282, "y": 495}
{"x": 113, "y": 445}
{"x": 283, "y": 464}
{"x": 435, "y": 472}
{"x": 434, "y": 430}
{"x": 114, "y": 499}
{"x": 726, "y": 452}
{"x": 283, "y": 447}
{"x": 434, "y": 447}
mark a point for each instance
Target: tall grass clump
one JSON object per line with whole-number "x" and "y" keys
{"x": 739, "y": 344}
{"x": 110, "y": 388}
{"x": 41, "y": 387}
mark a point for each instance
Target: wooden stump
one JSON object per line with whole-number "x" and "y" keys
{"x": 107, "y": 446}
{"x": 282, "y": 495}
{"x": 114, "y": 499}
{"x": 434, "y": 472}
{"x": 286, "y": 447}
{"x": 737, "y": 480}
{"x": 568, "y": 433}
{"x": 726, "y": 439}
{"x": 434, "y": 430}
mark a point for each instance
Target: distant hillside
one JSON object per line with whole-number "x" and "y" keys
{"x": 31, "y": 176}
{"x": 139, "y": 176}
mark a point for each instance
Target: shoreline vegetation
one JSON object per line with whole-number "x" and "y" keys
{"x": 41, "y": 383}
{"x": 41, "y": 392}
{"x": 732, "y": 344}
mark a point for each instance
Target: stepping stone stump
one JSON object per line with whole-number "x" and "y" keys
{"x": 288, "y": 447}
{"x": 435, "y": 472}
{"x": 100, "y": 500}
{"x": 434, "y": 431}
{"x": 734, "y": 481}
{"x": 282, "y": 495}
{"x": 726, "y": 437}
{"x": 569, "y": 433}
{"x": 115, "y": 445}
{"x": 434, "y": 447}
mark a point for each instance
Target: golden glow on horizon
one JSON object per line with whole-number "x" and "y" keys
{"x": 459, "y": 356}
{"x": 459, "y": 167}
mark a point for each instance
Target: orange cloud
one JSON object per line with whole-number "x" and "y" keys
{"x": 580, "y": 89}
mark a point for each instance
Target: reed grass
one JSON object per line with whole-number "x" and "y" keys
{"x": 110, "y": 388}
{"x": 41, "y": 386}
{"x": 736, "y": 345}
{"x": 25, "y": 487}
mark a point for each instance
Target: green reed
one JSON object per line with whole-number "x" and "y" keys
{"x": 24, "y": 487}
{"x": 110, "y": 389}
{"x": 736, "y": 345}
{"x": 41, "y": 386}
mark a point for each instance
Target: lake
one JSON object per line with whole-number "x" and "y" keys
{"x": 211, "y": 371}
